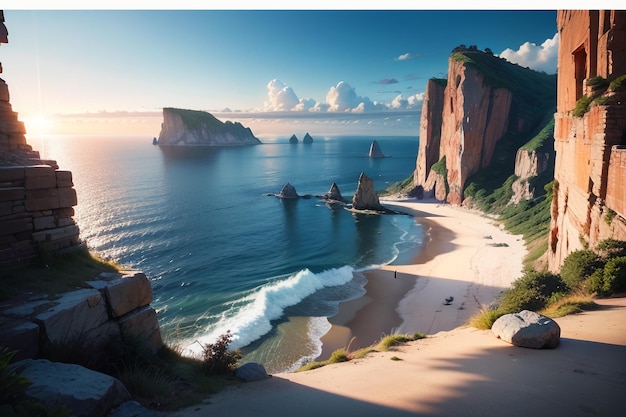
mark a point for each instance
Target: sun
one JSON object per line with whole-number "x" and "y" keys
{"x": 38, "y": 125}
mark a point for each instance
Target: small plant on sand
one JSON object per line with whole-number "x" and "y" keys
{"x": 485, "y": 319}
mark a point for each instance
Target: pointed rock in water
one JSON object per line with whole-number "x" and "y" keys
{"x": 333, "y": 193}
{"x": 365, "y": 197}
{"x": 375, "y": 151}
{"x": 293, "y": 139}
{"x": 288, "y": 191}
{"x": 307, "y": 138}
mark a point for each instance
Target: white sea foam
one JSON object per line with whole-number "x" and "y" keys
{"x": 252, "y": 318}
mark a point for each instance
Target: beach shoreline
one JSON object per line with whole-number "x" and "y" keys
{"x": 464, "y": 256}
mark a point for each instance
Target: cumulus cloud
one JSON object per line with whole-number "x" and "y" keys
{"x": 406, "y": 57}
{"x": 280, "y": 96}
{"x": 538, "y": 57}
{"x": 413, "y": 102}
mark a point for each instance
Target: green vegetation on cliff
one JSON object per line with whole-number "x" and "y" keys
{"x": 196, "y": 119}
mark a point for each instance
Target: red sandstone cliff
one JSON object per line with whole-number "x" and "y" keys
{"x": 589, "y": 203}
{"x": 463, "y": 121}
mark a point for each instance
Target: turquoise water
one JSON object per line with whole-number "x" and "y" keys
{"x": 222, "y": 254}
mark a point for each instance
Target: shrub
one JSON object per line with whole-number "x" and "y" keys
{"x": 614, "y": 275}
{"x": 610, "y": 248}
{"x": 216, "y": 357}
{"x": 531, "y": 292}
{"x": 582, "y": 106}
{"x": 618, "y": 83}
{"x": 578, "y": 266}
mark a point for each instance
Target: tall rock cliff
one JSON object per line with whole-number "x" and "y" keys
{"x": 589, "y": 202}
{"x": 183, "y": 127}
{"x": 484, "y": 101}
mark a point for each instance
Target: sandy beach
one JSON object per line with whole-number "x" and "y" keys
{"x": 464, "y": 256}
{"x": 457, "y": 370}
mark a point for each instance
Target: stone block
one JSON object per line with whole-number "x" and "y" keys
{"x": 142, "y": 324}
{"x": 12, "y": 193}
{"x": 43, "y": 223}
{"x": 56, "y": 234}
{"x": 85, "y": 392}
{"x": 128, "y": 293}
{"x": 10, "y": 174}
{"x": 6, "y": 208}
{"x": 64, "y": 179}
{"x": 39, "y": 176}
{"x": 45, "y": 199}
{"x": 22, "y": 336}
{"x": 67, "y": 197}
{"x": 8, "y": 227}
{"x": 75, "y": 314}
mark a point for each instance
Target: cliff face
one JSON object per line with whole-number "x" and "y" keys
{"x": 182, "y": 127}
{"x": 464, "y": 120}
{"x": 589, "y": 204}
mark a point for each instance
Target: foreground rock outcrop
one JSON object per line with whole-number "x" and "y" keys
{"x": 365, "y": 197}
{"x": 333, "y": 194}
{"x": 183, "y": 127}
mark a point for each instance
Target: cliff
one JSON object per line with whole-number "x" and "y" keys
{"x": 183, "y": 127}
{"x": 486, "y": 107}
{"x": 589, "y": 202}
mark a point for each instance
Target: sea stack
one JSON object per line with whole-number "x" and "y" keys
{"x": 182, "y": 127}
{"x": 333, "y": 194}
{"x": 293, "y": 139}
{"x": 288, "y": 191}
{"x": 307, "y": 138}
{"x": 375, "y": 151}
{"x": 365, "y": 197}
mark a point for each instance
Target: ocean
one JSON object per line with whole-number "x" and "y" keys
{"x": 223, "y": 255}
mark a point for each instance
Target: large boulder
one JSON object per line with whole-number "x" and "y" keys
{"x": 288, "y": 191}
{"x": 85, "y": 392}
{"x": 365, "y": 197}
{"x": 307, "y": 138}
{"x": 251, "y": 371}
{"x": 528, "y": 329}
{"x": 293, "y": 139}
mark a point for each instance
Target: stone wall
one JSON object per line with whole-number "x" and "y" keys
{"x": 115, "y": 306}
{"x": 36, "y": 199}
{"x": 589, "y": 166}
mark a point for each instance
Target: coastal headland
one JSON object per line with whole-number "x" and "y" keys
{"x": 456, "y": 370}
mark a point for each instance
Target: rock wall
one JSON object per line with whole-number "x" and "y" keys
{"x": 590, "y": 203}
{"x": 474, "y": 117}
{"x": 529, "y": 164}
{"x": 183, "y": 127}
{"x": 114, "y": 307}
{"x": 36, "y": 199}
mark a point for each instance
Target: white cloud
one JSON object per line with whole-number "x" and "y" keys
{"x": 540, "y": 58}
{"x": 406, "y": 57}
{"x": 413, "y": 102}
{"x": 281, "y": 97}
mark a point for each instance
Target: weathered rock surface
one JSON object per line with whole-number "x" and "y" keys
{"x": 365, "y": 197}
{"x": 528, "y": 329}
{"x": 430, "y": 130}
{"x": 307, "y": 138}
{"x": 251, "y": 372}
{"x": 590, "y": 165}
{"x": 529, "y": 164}
{"x": 375, "y": 151}
{"x": 86, "y": 393}
{"x": 288, "y": 191}
{"x": 183, "y": 127}
{"x": 293, "y": 139}
{"x": 333, "y": 193}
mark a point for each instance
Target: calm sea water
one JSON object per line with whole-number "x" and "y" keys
{"x": 224, "y": 256}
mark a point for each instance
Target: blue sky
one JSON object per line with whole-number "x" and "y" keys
{"x": 61, "y": 62}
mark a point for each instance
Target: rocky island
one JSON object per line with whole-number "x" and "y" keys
{"x": 182, "y": 127}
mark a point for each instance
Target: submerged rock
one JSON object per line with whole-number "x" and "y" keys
{"x": 288, "y": 191}
{"x": 307, "y": 138}
{"x": 375, "y": 151}
{"x": 293, "y": 139}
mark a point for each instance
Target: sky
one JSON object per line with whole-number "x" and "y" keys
{"x": 277, "y": 71}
